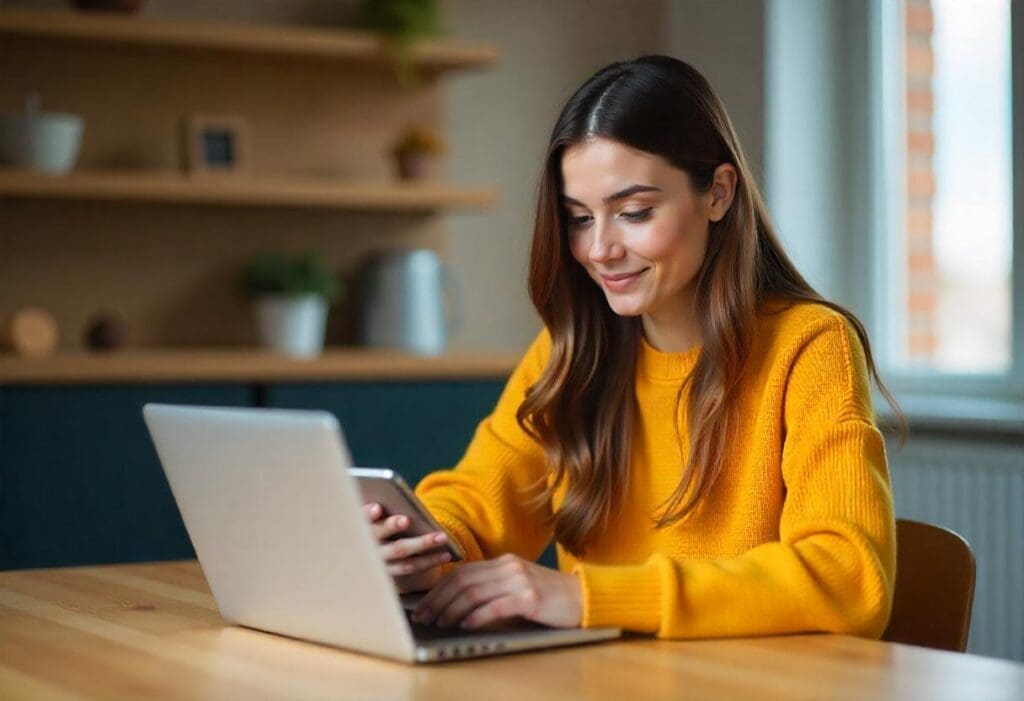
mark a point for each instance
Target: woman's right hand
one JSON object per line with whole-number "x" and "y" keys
{"x": 414, "y": 563}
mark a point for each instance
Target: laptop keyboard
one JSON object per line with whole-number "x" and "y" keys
{"x": 425, "y": 632}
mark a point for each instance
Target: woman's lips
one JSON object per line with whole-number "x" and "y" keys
{"x": 620, "y": 281}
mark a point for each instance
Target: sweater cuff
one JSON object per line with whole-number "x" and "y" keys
{"x": 627, "y": 597}
{"x": 462, "y": 536}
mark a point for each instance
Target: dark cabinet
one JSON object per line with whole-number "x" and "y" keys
{"x": 80, "y": 482}
{"x": 412, "y": 427}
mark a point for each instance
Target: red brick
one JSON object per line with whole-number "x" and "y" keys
{"x": 920, "y": 19}
{"x": 919, "y": 221}
{"x": 920, "y": 263}
{"x": 921, "y": 346}
{"x": 921, "y": 302}
{"x": 920, "y": 182}
{"x": 920, "y": 142}
{"x": 919, "y": 59}
{"x": 920, "y": 100}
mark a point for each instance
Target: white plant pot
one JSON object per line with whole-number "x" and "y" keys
{"x": 292, "y": 324}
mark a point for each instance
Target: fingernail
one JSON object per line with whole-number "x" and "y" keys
{"x": 440, "y": 538}
{"x": 402, "y": 521}
{"x": 445, "y": 557}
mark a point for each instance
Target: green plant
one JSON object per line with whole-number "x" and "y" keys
{"x": 400, "y": 23}
{"x": 276, "y": 272}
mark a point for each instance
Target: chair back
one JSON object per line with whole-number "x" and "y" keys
{"x": 935, "y": 572}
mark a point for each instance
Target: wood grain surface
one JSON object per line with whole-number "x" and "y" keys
{"x": 152, "y": 631}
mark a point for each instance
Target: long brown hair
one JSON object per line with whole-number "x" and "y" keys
{"x": 582, "y": 409}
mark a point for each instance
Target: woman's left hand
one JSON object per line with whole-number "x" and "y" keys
{"x": 478, "y": 593}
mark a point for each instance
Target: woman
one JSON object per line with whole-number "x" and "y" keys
{"x": 693, "y": 426}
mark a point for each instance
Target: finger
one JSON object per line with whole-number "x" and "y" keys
{"x": 471, "y": 599}
{"x": 420, "y": 563}
{"x": 405, "y": 547}
{"x": 451, "y": 587}
{"x": 390, "y": 526}
{"x": 373, "y": 511}
{"x": 518, "y": 604}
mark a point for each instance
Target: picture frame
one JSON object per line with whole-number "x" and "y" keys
{"x": 215, "y": 144}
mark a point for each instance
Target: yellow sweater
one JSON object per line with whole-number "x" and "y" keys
{"x": 797, "y": 533}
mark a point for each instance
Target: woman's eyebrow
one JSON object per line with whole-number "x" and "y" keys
{"x": 621, "y": 194}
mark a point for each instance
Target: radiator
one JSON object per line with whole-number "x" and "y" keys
{"x": 976, "y": 489}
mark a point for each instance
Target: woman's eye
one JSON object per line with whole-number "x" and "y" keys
{"x": 578, "y": 221}
{"x": 638, "y": 216}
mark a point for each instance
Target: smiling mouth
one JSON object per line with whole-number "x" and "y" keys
{"x": 619, "y": 277}
{"x": 620, "y": 283}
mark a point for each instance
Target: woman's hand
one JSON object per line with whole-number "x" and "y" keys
{"x": 414, "y": 563}
{"x": 478, "y": 593}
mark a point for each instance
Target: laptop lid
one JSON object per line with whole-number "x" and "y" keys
{"x": 277, "y": 524}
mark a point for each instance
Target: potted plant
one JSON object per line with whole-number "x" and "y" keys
{"x": 292, "y": 292}
{"x": 400, "y": 23}
{"x": 416, "y": 152}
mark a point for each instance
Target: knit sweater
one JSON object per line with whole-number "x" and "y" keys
{"x": 797, "y": 533}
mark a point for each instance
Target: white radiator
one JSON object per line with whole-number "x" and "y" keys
{"x": 976, "y": 489}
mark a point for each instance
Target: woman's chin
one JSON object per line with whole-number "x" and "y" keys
{"x": 624, "y": 307}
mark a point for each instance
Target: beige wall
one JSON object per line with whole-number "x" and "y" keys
{"x": 724, "y": 40}
{"x": 498, "y": 121}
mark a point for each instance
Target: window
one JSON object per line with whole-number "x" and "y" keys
{"x": 945, "y": 303}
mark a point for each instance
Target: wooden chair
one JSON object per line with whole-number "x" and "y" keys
{"x": 935, "y": 573}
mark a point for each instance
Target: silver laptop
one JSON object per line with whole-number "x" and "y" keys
{"x": 278, "y": 526}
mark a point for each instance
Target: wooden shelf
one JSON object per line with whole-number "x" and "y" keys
{"x": 130, "y": 186}
{"x": 247, "y": 365}
{"x": 282, "y": 40}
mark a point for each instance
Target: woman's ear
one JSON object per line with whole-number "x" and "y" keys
{"x": 723, "y": 189}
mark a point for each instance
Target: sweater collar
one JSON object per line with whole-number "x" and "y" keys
{"x": 659, "y": 365}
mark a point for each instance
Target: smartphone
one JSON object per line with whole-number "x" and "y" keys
{"x": 387, "y": 488}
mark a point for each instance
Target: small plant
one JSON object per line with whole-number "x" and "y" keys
{"x": 418, "y": 140}
{"x": 276, "y": 272}
{"x": 400, "y": 23}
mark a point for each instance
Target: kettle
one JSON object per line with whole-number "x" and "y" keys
{"x": 408, "y": 301}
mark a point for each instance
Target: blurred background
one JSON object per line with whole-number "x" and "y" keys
{"x": 328, "y": 204}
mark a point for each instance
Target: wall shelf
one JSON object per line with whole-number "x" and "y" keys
{"x": 284, "y": 191}
{"x": 247, "y": 365}
{"x": 293, "y": 41}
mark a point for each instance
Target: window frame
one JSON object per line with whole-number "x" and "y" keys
{"x": 888, "y": 175}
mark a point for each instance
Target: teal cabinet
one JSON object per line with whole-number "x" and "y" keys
{"x": 412, "y": 427}
{"x": 80, "y": 482}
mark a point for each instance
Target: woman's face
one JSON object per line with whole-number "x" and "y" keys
{"x": 637, "y": 227}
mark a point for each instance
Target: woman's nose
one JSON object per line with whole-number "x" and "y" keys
{"x": 605, "y": 246}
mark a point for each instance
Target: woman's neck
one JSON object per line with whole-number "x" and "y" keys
{"x": 672, "y": 330}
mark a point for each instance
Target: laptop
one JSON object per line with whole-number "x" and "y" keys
{"x": 277, "y": 524}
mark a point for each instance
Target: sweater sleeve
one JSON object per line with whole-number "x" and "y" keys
{"x": 832, "y": 568}
{"x": 484, "y": 501}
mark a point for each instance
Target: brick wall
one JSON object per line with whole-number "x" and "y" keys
{"x": 922, "y": 276}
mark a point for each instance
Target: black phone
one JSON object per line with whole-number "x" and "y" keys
{"x": 387, "y": 488}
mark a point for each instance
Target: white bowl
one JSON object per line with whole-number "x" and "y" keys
{"x": 46, "y": 142}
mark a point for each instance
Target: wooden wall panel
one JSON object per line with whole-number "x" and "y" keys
{"x": 169, "y": 270}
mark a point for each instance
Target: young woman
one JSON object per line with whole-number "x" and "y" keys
{"x": 693, "y": 427}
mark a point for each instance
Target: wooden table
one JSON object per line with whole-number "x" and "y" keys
{"x": 152, "y": 631}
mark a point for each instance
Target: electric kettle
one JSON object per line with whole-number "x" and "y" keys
{"x": 408, "y": 302}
